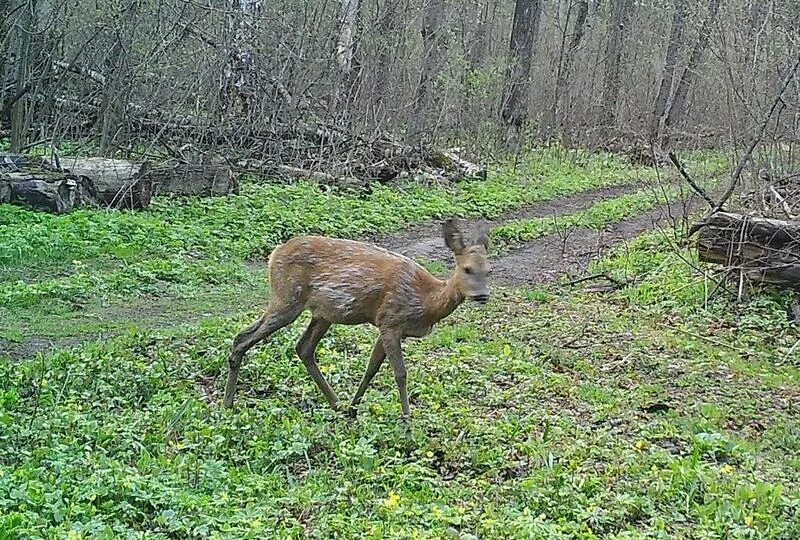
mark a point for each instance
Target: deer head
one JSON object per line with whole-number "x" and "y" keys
{"x": 472, "y": 260}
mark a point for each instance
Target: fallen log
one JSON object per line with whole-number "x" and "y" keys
{"x": 204, "y": 177}
{"x": 117, "y": 183}
{"x": 765, "y": 250}
{"x": 43, "y": 190}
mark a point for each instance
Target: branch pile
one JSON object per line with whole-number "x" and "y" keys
{"x": 301, "y": 150}
{"x": 776, "y": 198}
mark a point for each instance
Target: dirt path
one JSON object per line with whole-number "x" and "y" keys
{"x": 550, "y": 257}
{"x": 425, "y": 239}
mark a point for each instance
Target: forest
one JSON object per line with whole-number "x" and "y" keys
{"x": 570, "y": 227}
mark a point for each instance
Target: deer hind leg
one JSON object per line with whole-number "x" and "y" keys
{"x": 275, "y": 318}
{"x": 375, "y": 361}
{"x": 306, "y": 347}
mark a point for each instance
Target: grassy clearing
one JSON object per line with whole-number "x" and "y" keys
{"x": 547, "y": 414}
{"x": 89, "y": 255}
{"x": 178, "y": 298}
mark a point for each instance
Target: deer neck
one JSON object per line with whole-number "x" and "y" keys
{"x": 444, "y": 300}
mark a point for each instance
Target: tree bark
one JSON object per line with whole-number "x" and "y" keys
{"x": 434, "y": 41}
{"x": 523, "y": 37}
{"x": 668, "y": 74}
{"x": 345, "y": 52}
{"x": 677, "y": 108}
{"x": 620, "y": 15}
{"x": 565, "y": 69}
{"x": 19, "y": 104}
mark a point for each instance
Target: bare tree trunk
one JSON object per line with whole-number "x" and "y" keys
{"x": 668, "y": 75}
{"x": 620, "y": 14}
{"x": 477, "y": 51}
{"x": 119, "y": 71}
{"x": 387, "y": 30}
{"x": 677, "y": 108}
{"x": 345, "y": 52}
{"x": 523, "y": 37}
{"x": 434, "y": 42}
{"x": 18, "y": 103}
{"x": 565, "y": 69}
{"x": 239, "y": 80}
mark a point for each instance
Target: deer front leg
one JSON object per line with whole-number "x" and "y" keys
{"x": 391, "y": 344}
{"x": 306, "y": 348}
{"x": 375, "y": 361}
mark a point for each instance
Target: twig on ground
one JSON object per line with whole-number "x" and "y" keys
{"x": 704, "y": 338}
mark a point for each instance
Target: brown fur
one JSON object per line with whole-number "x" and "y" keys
{"x": 348, "y": 282}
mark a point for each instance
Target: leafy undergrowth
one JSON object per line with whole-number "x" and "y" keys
{"x": 96, "y": 254}
{"x": 547, "y": 414}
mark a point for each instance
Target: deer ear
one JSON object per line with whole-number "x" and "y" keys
{"x": 482, "y": 235}
{"x": 453, "y": 237}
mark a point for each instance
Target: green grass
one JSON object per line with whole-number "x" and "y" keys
{"x": 646, "y": 413}
{"x": 530, "y": 421}
{"x": 95, "y": 254}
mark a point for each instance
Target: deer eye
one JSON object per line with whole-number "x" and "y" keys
{"x": 467, "y": 269}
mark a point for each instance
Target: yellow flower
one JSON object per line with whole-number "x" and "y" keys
{"x": 429, "y": 454}
{"x": 640, "y": 444}
{"x": 727, "y": 469}
{"x": 749, "y": 521}
{"x": 74, "y": 535}
{"x": 392, "y": 500}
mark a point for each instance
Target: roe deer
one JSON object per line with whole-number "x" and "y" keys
{"x": 349, "y": 282}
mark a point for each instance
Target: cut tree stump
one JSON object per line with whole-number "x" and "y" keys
{"x": 765, "y": 250}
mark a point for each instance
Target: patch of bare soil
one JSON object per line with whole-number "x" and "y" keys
{"x": 425, "y": 239}
{"x": 33, "y": 345}
{"x": 552, "y": 257}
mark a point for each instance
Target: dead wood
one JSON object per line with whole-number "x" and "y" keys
{"x": 762, "y": 250}
{"x": 117, "y": 183}
{"x": 300, "y": 149}
{"x": 43, "y": 190}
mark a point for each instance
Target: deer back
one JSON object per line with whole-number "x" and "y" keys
{"x": 349, "y": 282}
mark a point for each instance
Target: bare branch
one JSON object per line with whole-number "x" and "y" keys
{"x": 674, "y": 159}
{"x": 757, "y": 139}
